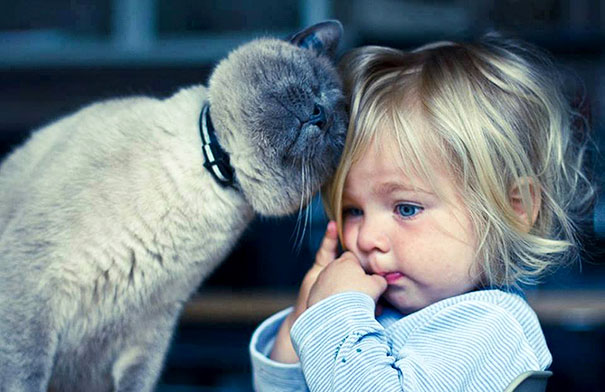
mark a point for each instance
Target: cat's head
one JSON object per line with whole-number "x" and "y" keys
{"x": 279, "y": 112}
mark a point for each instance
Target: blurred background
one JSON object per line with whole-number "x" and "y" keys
{"x": 59, "y": 55}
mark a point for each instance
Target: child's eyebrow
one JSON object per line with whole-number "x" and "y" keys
{"x": 390, "y": 187}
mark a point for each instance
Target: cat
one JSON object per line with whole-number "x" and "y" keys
{"x": 111, "y": 217}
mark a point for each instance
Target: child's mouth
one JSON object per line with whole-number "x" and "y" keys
{"x": 392, "y": 277}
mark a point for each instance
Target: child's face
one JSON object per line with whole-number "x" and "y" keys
{"x": 397, "y": 227}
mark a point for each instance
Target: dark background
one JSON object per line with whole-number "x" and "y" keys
{"x": 59, "y": 55}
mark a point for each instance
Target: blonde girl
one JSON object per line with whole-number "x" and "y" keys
{"x": 460, "y": 180}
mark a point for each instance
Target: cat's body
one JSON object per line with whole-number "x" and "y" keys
{"x": 109, "y": 221}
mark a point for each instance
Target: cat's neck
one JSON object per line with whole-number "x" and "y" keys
{"x": 216, "y": 160}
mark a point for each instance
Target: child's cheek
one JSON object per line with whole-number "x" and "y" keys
{"x": 349, "y": 234}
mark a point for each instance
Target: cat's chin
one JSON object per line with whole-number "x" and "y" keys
{"x": 277, "y": 206}
{"x": 275, "y": 211}
{"x": 278, "y": 198}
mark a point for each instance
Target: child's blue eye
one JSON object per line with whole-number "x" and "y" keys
{"x": 351, "y": 211}
{"x": 408, "y": 210}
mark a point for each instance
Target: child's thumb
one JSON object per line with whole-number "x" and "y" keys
{"x": 329, "y": 246}
{"x": 381, "y": 283}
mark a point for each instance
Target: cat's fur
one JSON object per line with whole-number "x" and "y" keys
{"x": 109, "y": 221}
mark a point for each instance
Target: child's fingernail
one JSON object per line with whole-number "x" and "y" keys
{"x": 331, "y": 226}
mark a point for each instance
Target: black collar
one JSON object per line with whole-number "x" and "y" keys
{"x": 216, "y": 160}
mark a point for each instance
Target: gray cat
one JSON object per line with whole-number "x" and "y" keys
{"x": 111, "y": 217}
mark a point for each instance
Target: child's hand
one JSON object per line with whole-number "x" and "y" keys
{"x": 282, "y": 349}
{"x": 324, "y": 256}
{"x": 346, "y": 274}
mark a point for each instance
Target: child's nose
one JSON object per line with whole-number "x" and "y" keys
{"x": 372, "y": 236}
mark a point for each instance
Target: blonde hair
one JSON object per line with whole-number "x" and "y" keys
{"x": 497, "y": 116}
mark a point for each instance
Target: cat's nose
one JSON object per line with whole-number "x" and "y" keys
{"x": 318, "y": 117}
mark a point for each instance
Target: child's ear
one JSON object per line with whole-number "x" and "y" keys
{"x": 526, "y": 188}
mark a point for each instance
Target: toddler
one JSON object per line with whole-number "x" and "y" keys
{"x": 460, "y": 180}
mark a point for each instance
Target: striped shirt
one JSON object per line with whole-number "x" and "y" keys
{"x": 478, "y": 341}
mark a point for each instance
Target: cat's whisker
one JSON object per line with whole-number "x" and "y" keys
{"x": 303, "y": 212}
{"x": 309, "y": 213}
{"x": 297, "y": 236}
{"x": 308, "y": 197}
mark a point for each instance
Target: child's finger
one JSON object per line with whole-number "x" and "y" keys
{"x": 380, "y": 281}
{"x": 381, "y": 284}
{"x": 329, "y": 246}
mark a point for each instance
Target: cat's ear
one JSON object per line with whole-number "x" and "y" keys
{"x": 322, "y": 38}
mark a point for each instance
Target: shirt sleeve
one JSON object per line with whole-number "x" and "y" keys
{"x": 269, "y": 375}
{"x": 343, "y": 348}
{"x": 468, "y": 346}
